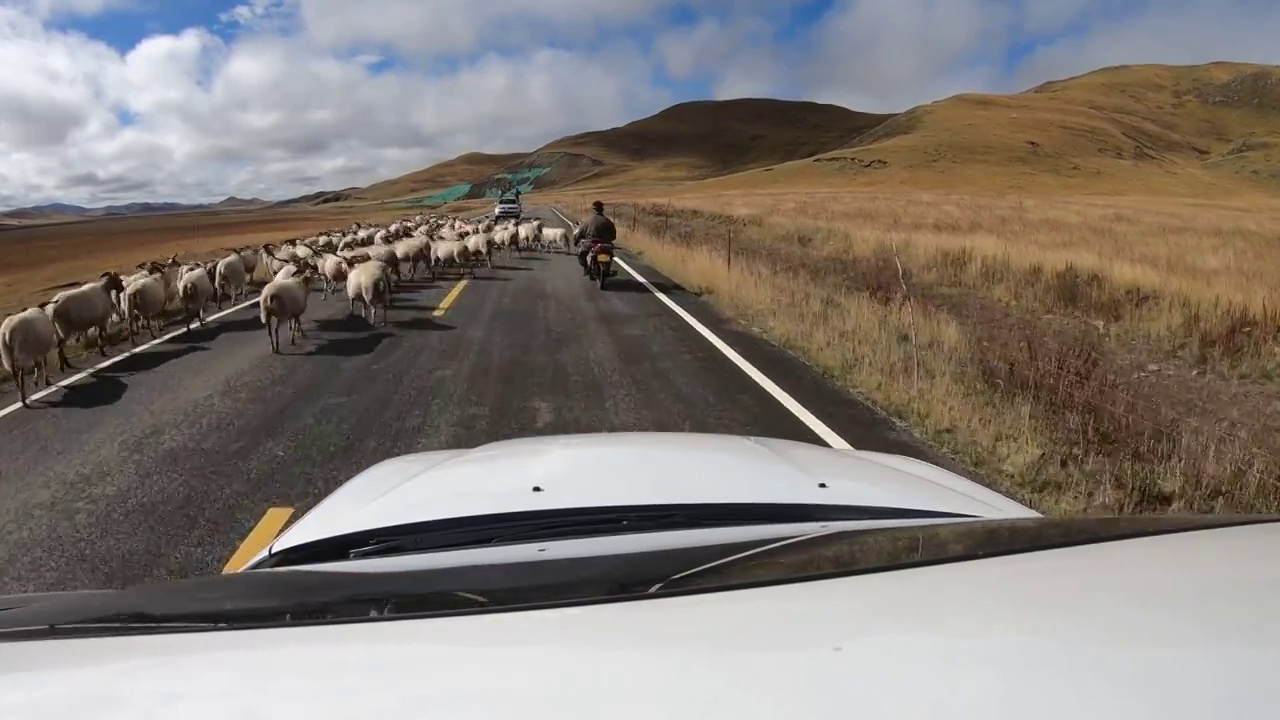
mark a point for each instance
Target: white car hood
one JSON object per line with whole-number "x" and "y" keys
{"x": 1181, "y": 626}
{"x": 604, "y": 469}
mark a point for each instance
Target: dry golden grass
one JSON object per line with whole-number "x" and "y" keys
{"x": 1072, "y": 350}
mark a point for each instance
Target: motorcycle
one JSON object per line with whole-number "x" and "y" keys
{"x": 600, "y": 263}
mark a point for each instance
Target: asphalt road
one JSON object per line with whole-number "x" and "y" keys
{"x": 161, "y": 464}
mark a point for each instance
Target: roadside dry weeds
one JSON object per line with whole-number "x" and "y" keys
{"x": 1053, "y": 347}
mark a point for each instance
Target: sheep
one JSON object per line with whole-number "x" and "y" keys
{"x": 230, "y": 277}
{"x": 386, "y": 254}
{"x": 333, "y": 269}
{"x": 284, "y": 299}
{"x": 171, "y": 271}
{"x": 369, "y": 283}
{"x": 443, "y": 251}
{"x": 195, "y": 288}
{"x": 144, "y": 299}
{"x": 89, "y": 306}
{"x": 556, "y": 236}
{"x": 249, "y": 257}
{"x": 274, "y": 262}
{"x": 507, "y": 237}
{"x": 286, "y": 272}
{"x": 413, "y": 251}
{"x": 528, "y": 234}
{"x": 481, "y": 245}
{"x": 26, "y": 339}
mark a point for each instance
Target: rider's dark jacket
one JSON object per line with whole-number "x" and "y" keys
{"x": 596, "y": 227}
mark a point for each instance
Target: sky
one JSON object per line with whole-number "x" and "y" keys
{"x": 109, "y": 101}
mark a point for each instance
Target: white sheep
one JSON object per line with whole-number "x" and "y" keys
{"x": 481, "y": 245}
{"x": 195, "y": 289}
{"x": 144, "y": 299}
{"x": 412, "y": 251}
{"x": 88, "y": 306}
{"x": 230, "y": 277}
{"x": 386, "y": 254}
{"x": 529, "y": 235}
{"x": 284, "y": 299}
{"x": 556, "y": 236}
{"x": 171, "y": 270}
{"x": 333, "y": 270}
{"x": 507, "y": 237}
{"x": 26, "y": 339}
{"x": 369, "y": 283}
{"x": 275, "y": 260}
{"x": 286, "y": 272}
{"x": 449, "y": 251}
{"x": 249, "y": 258}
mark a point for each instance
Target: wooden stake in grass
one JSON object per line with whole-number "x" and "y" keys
{"x": 911, "y": 319}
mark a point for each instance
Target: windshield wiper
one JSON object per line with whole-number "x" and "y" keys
{"x": 594, "y": 523}
{"x": 540, "y": 530}
{"x": 478, "y": 531}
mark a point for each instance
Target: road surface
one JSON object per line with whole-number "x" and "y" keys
{"x": 161, "y": 465}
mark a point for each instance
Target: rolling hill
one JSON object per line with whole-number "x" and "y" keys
{"x": 689, "y": 141}
{"x": 1137, "y": 129}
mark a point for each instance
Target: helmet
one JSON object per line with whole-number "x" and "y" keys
{"x": 597, "y": 206}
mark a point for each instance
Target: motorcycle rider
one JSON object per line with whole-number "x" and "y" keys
{"x": 596, "y": 229}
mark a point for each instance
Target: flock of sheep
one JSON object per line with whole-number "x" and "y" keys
{"x": 366, "y": 260}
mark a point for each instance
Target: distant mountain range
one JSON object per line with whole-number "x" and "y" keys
{"x": 56, "y": 210}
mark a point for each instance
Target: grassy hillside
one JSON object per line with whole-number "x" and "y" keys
{"x": 462, "y": 169}
{"x": 1144, "y": 129}
{"x": 702, "y": 139}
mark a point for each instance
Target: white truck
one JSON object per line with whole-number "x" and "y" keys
{"x": 507, "y": 207}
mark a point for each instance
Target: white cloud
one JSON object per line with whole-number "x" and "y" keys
{"x": 315, "y": 94}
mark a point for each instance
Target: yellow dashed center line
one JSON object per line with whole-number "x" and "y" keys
{"x": 448, "y": 299}
{"x": 259, "y": 537}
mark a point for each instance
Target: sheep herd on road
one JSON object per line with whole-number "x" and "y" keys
{"x": 365, "y": 260}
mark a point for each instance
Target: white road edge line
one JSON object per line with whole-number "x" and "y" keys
{"x": 66, "y": 382}
{"x": 802, "y": 414}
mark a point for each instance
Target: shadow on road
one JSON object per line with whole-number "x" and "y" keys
{"x": 149, "y": 360}
{"x": 509, "y": 267}
{"x": 491, "y": 278}
{"x": 215, "y": 329}
{"x": 621, "y": 284}
{"x": 422, "y": 323}
{"x": 102, "y": 391}
{"x": 352, "y": 345}
{"x": 344, "y": 324}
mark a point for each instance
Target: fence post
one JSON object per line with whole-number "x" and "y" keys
{"x": 911, "y": 319}
{"x": 728, "y": 253}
